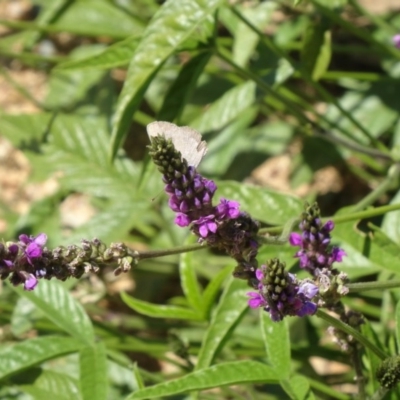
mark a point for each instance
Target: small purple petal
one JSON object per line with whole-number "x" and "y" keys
{"x": 30, "y": 282}
{"x": 24, "y": 239}
{"x": 182, "y": 220}
{"x": 338, "y": 254}
{"x": 212, "y": 226}
{"x": 256, "y": 300}
{"x": 308, "y": 289}
{"x": 308, "y": 308}
{"x": 259, "y": 274}
{"x": 295, "y": 239}
{"x": 329, "y": 225}
{"x": 203, "y": 230}
{"x": 33, "y": 251}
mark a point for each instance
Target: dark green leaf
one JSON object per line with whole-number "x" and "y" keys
{"x": 264, "y": 205}
{"x": 177, "y": 20}
{"x": 233, "y": 373}
{"x": 226, "y": 108}
{"x": 61, "y": 308}
{"x": 230, "y": 309}
{"x": 53, "y": 385}
{"x": 116, "y": 55}
{"x": 158, "y": 310}
{"x": 182, "y": 87}
{"x": 23, "y": 355}
{"x": 189, "y": 283}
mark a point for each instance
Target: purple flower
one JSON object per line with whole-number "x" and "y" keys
{"x": 315, "y": 253}
{"x": 396, "y": 41}
{"x": 256, "y": 300}
{"x": 206, "y": 225}
{"x": 34, "y": 245}
{"x": 228, "y": 209}
{"x": 280, "y": 294}
{"x": 30, "y": 282}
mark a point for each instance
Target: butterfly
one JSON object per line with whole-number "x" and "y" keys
{"x": 185, "y": 139}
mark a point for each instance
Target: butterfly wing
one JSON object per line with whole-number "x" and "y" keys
{"x": 185, "y": 139}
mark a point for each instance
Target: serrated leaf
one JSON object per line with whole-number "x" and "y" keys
{"x": 171, "y": 26}
{"x": 226, "y": 108}
{"x": 28, "y": 353}
{"x": 182, "y": 87}
{"x": 189, "y": 282}
{"x": 230, "y": 309}
{"x": 264, "y": 205}
{"x": 277, "y": 344}
{"x": 116, "y": 55}
{"x": 159, "y": 310}
{"x": 78, "y": 147}
{"x": 25, "y": 130}
{"x": 93, "y": 372}
{"x": 58, "y": 305}
{"x": 232, "y": 373}
{"x": 53, "y": 385}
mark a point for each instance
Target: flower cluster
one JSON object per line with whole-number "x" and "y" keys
{"x": 222, "y": 226}
{"x": 316, "y": 255}
{"x": 281, "y": 294}
{"x": 26, "y": 261}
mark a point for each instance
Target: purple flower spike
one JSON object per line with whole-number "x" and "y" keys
{"x": 281, "y": 294}
{"x": 315, "y": 254}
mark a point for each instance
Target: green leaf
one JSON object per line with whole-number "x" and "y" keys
{"x": 232, "y": 373}
{"x": 53, "y": 385}
{"x": 158, "y": 310}
{"x": 391, "y": 221}
{"x": 297, "y": 387}
{"x": 211, "y": 291}
{"x": 277, "y": 344}
{"x": 246, "y": 39}
{"x": 231, "y": 308}
{"x": 28, "y": 353}
{"x": 93, "y": 372}
{"x": 170, "y": 27}
{"x": 264, "y": 205}
{"x": 116, "y": 55}
{"x": 25, "y": 129}
{"x": 78, "y": 147}
{"x": 226, "y": 108}
{"x": 182, "y": 87}
{"x": 98, "y": 18}
{"x": 21, "y": 320}
{"x": 189, "y": 283}
{"x": 316, "y": 51}
{"x": 58, "y": 305}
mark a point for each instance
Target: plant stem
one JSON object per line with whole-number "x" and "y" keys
{"x": 161, "y": 253}
{"x": 351, "y": 331}
{"x": 365, "y": 286}
{"x": 373, "y": 212}
{"x": 382, "y": 188}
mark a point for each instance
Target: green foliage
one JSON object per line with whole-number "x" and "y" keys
{"x": 284, "y": 93}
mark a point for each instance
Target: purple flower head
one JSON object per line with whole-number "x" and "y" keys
{"x": 228, "y": 209}
{"x": 33, "y": 245}
{"x": 396, "y": 41}
{"x": 315, "y": 253}
{"x": 205, "y": 225}
{"x": 280, "y": 294}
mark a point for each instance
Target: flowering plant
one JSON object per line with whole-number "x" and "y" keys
{"x": 260, "y": 261}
